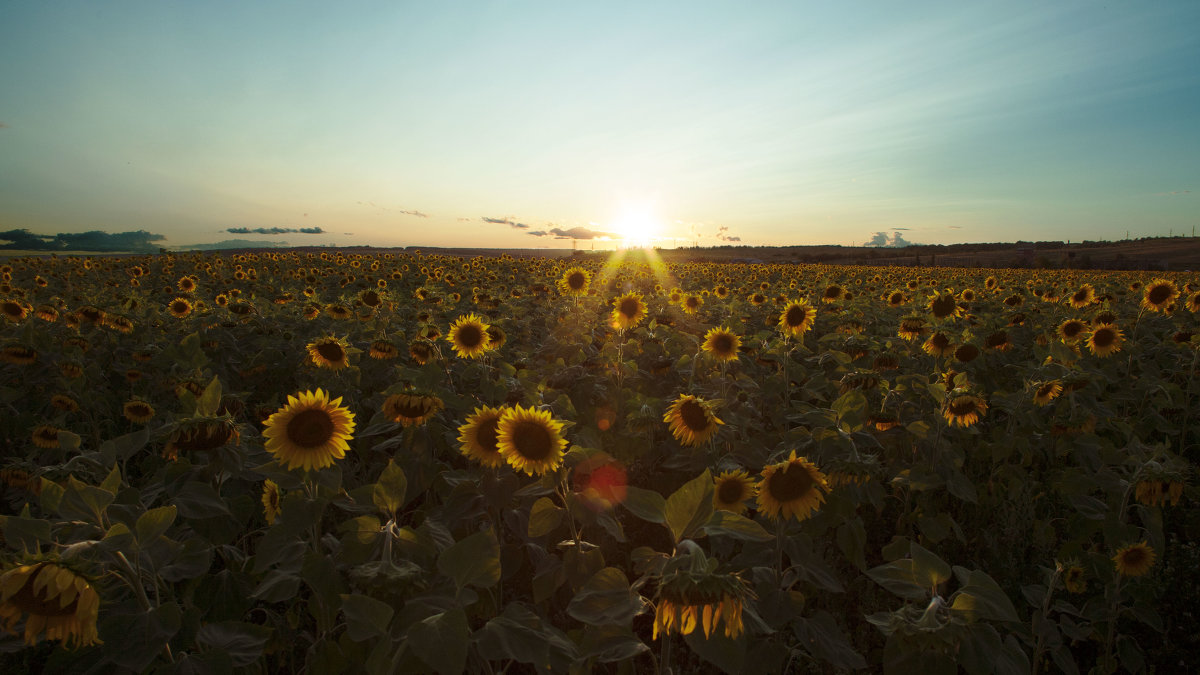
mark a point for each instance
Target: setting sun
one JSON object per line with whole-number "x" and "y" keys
{"x": 637, "y": 226}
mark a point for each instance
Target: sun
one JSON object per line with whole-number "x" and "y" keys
{"x": 636, "y": 226}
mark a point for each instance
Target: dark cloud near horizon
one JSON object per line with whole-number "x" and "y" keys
{"x": 506, "y": 221}
{"x": 573, "y": 233}
{"x": 722, "y": 234}
{"x": 881, "y": 240}
{"x": 275, "y": 230}
{"x": 234, "y": 243}
{"x": 94, "y": 240}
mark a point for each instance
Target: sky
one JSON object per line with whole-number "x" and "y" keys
{"x": 524, "y": 124}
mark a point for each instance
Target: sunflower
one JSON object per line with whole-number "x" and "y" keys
{"x": 201, "y": 434}
{"x": 329, "y": 352}
{"x": 496, "y": 337}
{"x": 938, "y": 345}
{"x": 966, "y": 353}
{"x": 794, "y": 487}
{"x": 691, "y": 303}
{"x": 13, "y": 310}
{"x": 383, "y": 350}
{"x": 47, "y": 313}
{"x": 1193, "y": 303}
{"x": 1047, "y": 392}
{"x": 421, "y": 351}
{"x": 1071, "y": 330}
{"x": 1159, "y": 294}
{"x": 1105, "y": 340}
{"x": 45, "y": 436}
{"x": 1083, "y": 297}
{"x": 722, "y": 344}
{"x": 411, "y": 409}
{"x": 52, "y": 598}
{"x": 944, "y": 305}
{"x": 179, "y": 307}
{"x": 270, "y": 501}
{"x": 895, "y": 298}
{"x": 797, "y": 318}
{"x": 310, "y": 432}
{"x": 575, "y": 282}
{"x": 18, "y": 355}
{"x": 338, "y": 312}
{"x": 691, "y": 420}
{"x": 530, "y": 440}
{"x": 21, "y": 479}
{"x": 688, "y": 599}
{"x": 137, "y": 411}
{"x": 1073, "y": 579}
{"x": 731, "y": 489}
{"x": 64, "y": 403}
{"x": 998, "y": 341}
{"x": 469, "y": 336}
{"x": 628, "y": 311}
{"x": 964, "y": 410}
{"x": 480, "y": 436}
{"x": 911, "y": 328}
{"x": 1134, "y": 560}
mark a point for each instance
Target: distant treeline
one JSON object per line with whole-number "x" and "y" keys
{"x": 95, "y": 240}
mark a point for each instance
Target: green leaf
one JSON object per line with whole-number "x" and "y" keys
{"x": 919, "y": 429}
{"x": 199, "y": 500}
{"x": 606, "y": 599}
{"x": 544, "y": 517}
{"x": 852, "y": 540}
{"x": 730, "y": 524}
{"x": 928, "y": 569}
{"x": 242, "y": 641}
{"x": 521, "y": 635}
{"x": 645, "y": 504}
{"x": 388, "y": 493}
{"x": 725, "y": 653}
{"x": 112, "y": 483}
{"x": 84, "y": 502}
{"x": 154, "y": 523}
{"x": 610, "y": 644}
{"x": 277, "y": 587}
{"x": 26, "y": 534}
{"x": 474, "y": 561}
{"x": 851, "y": 409}
{"x": 366, "y": 617}
{"x": 982, "y": 599}
{"x": 210, "y": 400}
{"x": 1089, "y": 507}
{"x": 898, "y": 578}
{"x": 140, "y": 638}
{"x": 689, "y": 507}
{"x": 441, "y": 641}
{"x": 822, "y": 637}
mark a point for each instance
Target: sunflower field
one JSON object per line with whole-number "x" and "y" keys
{"x": 391, "y": 462}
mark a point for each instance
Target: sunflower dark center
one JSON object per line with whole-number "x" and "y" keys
{"x": 414, "y": 408}
{"x": 370, "y": 298}
{"x": 966, "y": 353}
{"x": 488, "y": 435}
{"x": 1159, "y": 294}
{"x": 12, "y": 309}
{"x": 731, "y": 491}
{"x": 576, "y": 281}
{"x": 1104, "y": 337}
{"x": 943, "y": 306}
{"x": 41, "y": 604}
{"x": 895, "y": 299}
{"x": 179, "y": 307}
{"x": 791, "y": 482}
{"x": 961, "y": 407}
{"x": 1080, "y": 295}
{"x": 331, "y": 351}
{"x": 694, "y": 416}
{"x": 693, "y": 302}
{"x": 833, "y": 292}
{"x": 1072, "y": 328}
{"x": 1045, "y": 390}
{"x": 1134, "y": 557}
{"x": 310, "y": 428}
{"x": 628, "y": 307}
{"x": 139, "y": 409}
{"x": 939, "y": 341}
{"x": 997, "y": 339}
{"x": 795, "y": 316}
{"x": 470, "y": 336}
{"x": 722, "y": 343}
{"x": 532, "y": 441}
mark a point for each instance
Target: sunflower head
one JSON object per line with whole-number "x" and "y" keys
{"x": 797, "y": 318}
{"x": 691, "y": 420}
{"x": 731, "y": 489}
{"x": 138, "y": 411}
{"x": 270, "y": 501}
{"x": 1074, "y": 579}
{"x": 421, "y": 351}
{"x": 722, "y": 344}
{"x": 52, "y": 599}
{"x": 179, "y": 307}
{"x": 1159, "y": 294}
{"x": 1134, "y": 560}
{"x": 469, "y": 337}
{"x": 1105, "y": 340}
{"x": 693, "y": 595}
{"x": 411, "y": 408}
{"x": 383, "y": 350}
{"x": 530, "y": 440}
{"x": 1047, "y": 392}
{"x": 201, "y": 434}
{"x": 310, "y": 432}
{"x": 938, "y": 345}
{"x": 793, "y": 488}
{"x": 964, "y": 409}
{"x": 329, "y": 352}
{"x": 480, "y": 436}
{"x": 911, "y": 328}
{"x": 1071, "y": 330}
{"x": 944, "y": 305}
{"x": 575, "y": 281}
{"x": 628, "y": 311}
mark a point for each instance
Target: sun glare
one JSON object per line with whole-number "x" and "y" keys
{"x": 636, "y": 226}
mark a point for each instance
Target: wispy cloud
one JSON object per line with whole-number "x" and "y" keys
{"x": 506, "y": 221}
{"x": 406, "y": 212}
{"x": 275, "y": 230}
{"x": 723, "y": 234}
{"x": 1173, "y": 193}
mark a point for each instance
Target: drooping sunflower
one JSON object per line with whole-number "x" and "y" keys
{"x": 574, "y": 282}
{"x": 1047, "y": 392}
{"x": 1159, "y": 294}
{"x": 938, "y": 345}
{"x": 911, "y": 328}
{"x": 966, "y": 353}
{"x": 797, "y": 318}
{"x": 832, "y": 293}
{"x": 421, "y": 351}
{"x": 687, "y": 600}
{"x": 530, "y": 440}
{"x": 480, "y": 436}
{"x": 64, "y": 403}
{"x": 270, "y": 501}
{"x": 53, "y": 599}
{"x": 691, "y": 420}
{"x": 1071, "y": 330}
{"x": 731, "y": 489}
{"x": 1105, "y": 340}
{"x": 998, "y": 341}
{"x": 1193, "y": 303}
{"x": 496, "y": 337}
{"x": 628, "y": 311}
{"x": 137, "y": 411}
{"x": 944, "y": 305}
{"x": 329, "y": 352}
{"x": 722, "y": 344}
{"x": 383, "y": 350}
{"x": 310, "y": 432}
{"x": 794, "y": 487}
{"x": 179, "y": 307}
{"x": 468, "y": 335}
{"x": 18, "y": 355}
{"x": 45, "y": 436}
{"x": 1134, "y": 560}
{"x": 412, "y": 408}
{"x": 964, "y": 409}
{"x": 201, "y": 434}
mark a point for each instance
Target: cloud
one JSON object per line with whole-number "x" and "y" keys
{"x": 902, "y": 229}
{"x": 538, "y": 233}
{"x": 581, "y": 233}
{"x": 1173, "y": 193}
{"x": 95, "y": 240}
{"x": 955, "y": 227}
{"x": 881, "y": 239}
{"x": 723, "y": 236}
{"x": 506, "y": 221}
{"x": 464, "y": 220}
{"x": 274, "y": 230}
{"x": 384, "y": 208}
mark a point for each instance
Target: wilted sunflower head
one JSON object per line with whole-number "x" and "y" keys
{"x": 412, "y": 408}
{"x": 200, "y": 434}
{"x": 691, "y": 420}
{"x": 329, "y": 352}
{"x": 696, "y": 596}
{"x": 421, "y": 351}
{"x": 53, "y": 599}
{"x": 911, "y": 328}
{"x": 383, "y": 350}
{"x": 138, "y": 411}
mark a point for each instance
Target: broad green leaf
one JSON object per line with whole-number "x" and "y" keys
{"x": 366, "y": 617}
{"x": 725, "y": 653}
{"x": 544, "y": 517}
{"x": 982, "y": 599}
{"x": 154, "y": 523}
{"x": 242, "y": 642}
{"x": 474, "y": 561}
{"x": 606, "y": 599}
{"x": 199, "y": 500}
{"x": 210, "y": 401}
{"x": 112, "y": 483}
{"x": 26, "y": 534}
{"x": 442, "y": 641}
{"x": 730, "y": 524}
{"x": 389, "y": 492}
{"x": 928, "y": 569}
{"x": 521, "y": 635}
{"x": 645, "y": 504}
{"x": 689, "y": 507}
{"x": 898, "y": 578}
{"x": 821, "y": 636}
{"x": 610, "y": 644}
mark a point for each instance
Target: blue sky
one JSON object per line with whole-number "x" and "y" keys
{"x": 784, "y": 123}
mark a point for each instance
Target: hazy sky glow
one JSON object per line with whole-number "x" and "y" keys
{"x": 789, "y": 123}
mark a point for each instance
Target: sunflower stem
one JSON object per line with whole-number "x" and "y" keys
{"x": 1114, "y": 610}
{"x": 1040, "y": 648}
